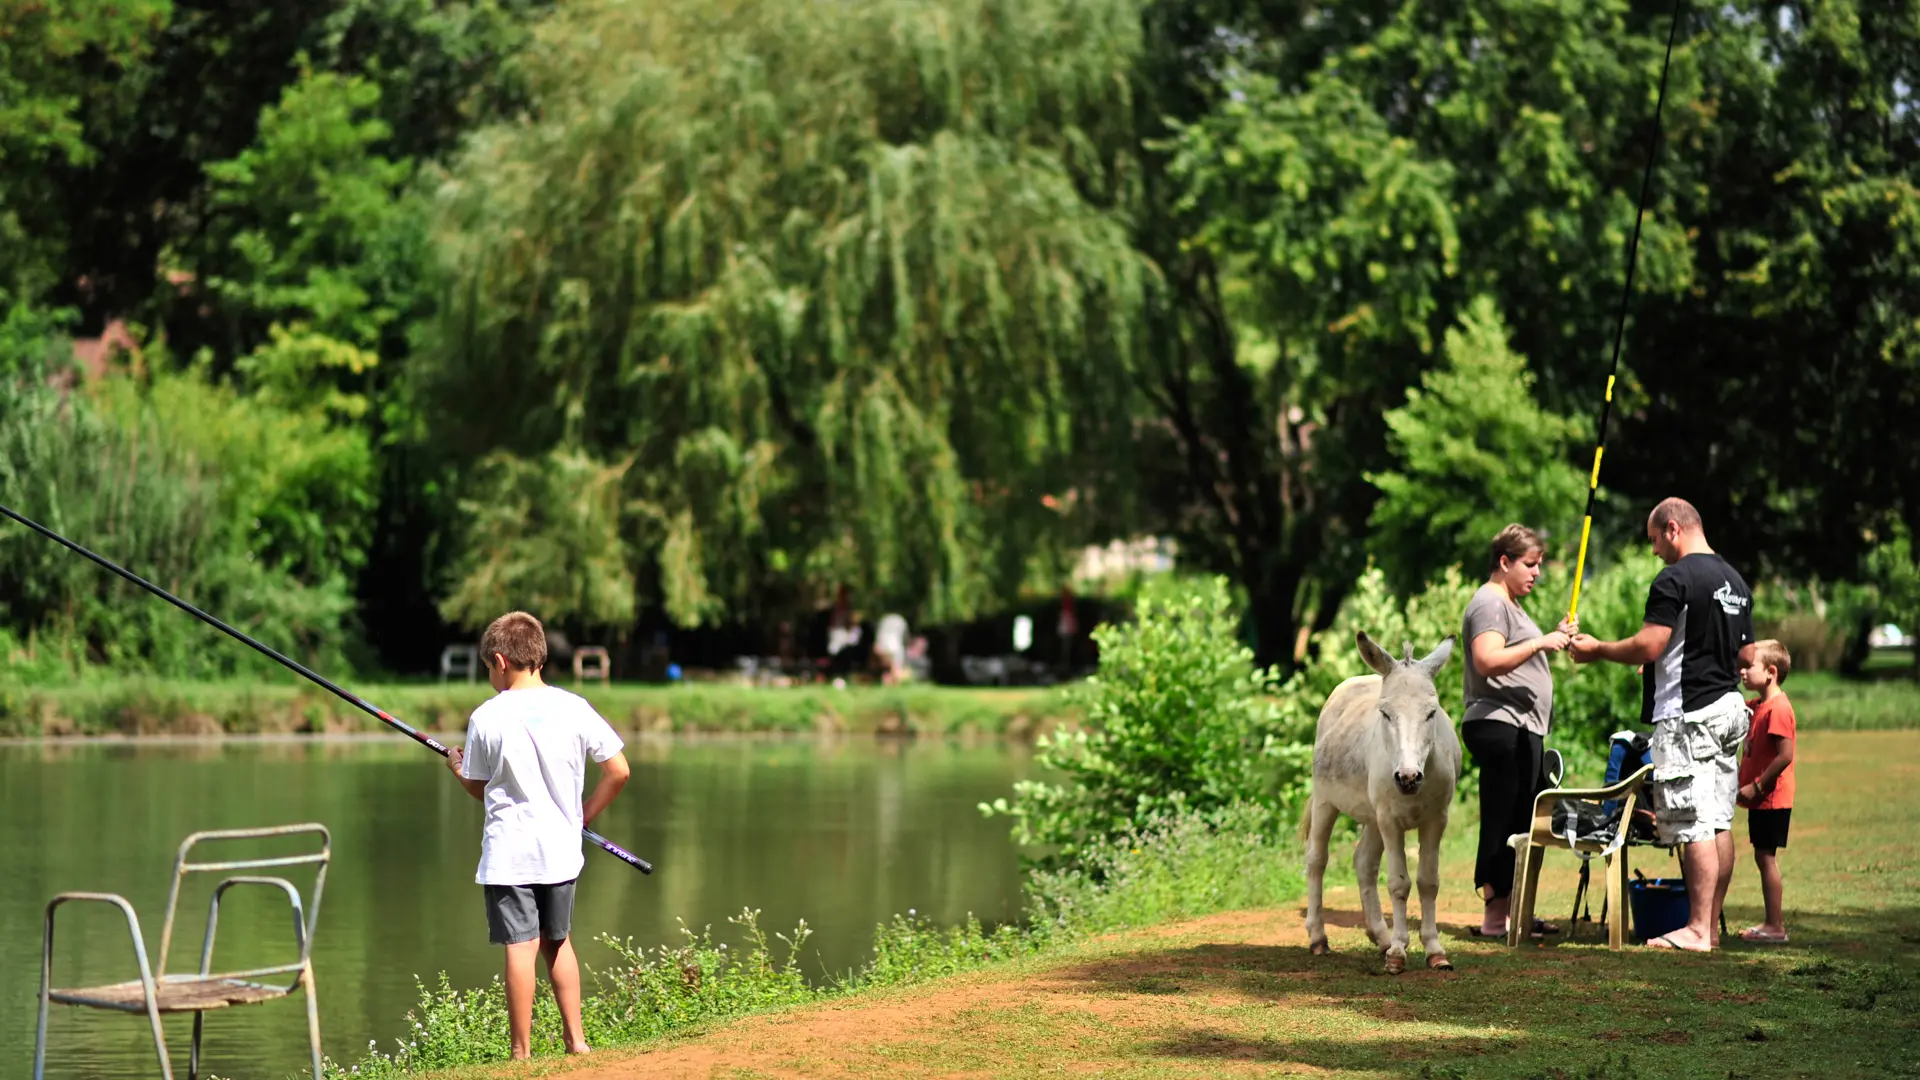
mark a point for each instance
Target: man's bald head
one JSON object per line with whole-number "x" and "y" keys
{"x": 1674, "y": 511}
{"x": 1675, "y": 530}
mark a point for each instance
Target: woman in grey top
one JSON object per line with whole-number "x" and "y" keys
{"x": 1509, "y": 705}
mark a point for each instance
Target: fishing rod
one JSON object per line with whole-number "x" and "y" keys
{"x": 1626, "y": 296}
{"x": 318, "y": 679}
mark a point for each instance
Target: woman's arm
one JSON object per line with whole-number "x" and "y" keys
{"x": 1493, "y": 657}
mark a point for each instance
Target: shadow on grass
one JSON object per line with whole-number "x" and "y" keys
{"x": 1836, "y": 1003}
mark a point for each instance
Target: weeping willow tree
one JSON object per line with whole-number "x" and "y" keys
{"x": 820, "y": 292}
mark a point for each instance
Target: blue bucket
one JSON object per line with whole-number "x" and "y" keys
{"x": 1659, "y": 906}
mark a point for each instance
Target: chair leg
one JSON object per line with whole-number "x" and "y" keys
{"x": 159, "y": 1039}
{"x": 1617, "y": 899}
{"x": 193, "y": 1053}
{"x": 313, "y": 1020}
{"x": 1520, "y": 911}
{"x": 1518, "y": 889}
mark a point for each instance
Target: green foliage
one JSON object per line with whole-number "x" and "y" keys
{"x": 1170, "y": 866}
{"x": 1349, "y": 224}
{"x": 543, "y": 535}
{"x": 649, "y": 993}
{"x": 251, "y": 510}
{"x": 1178, "y": 718}
{"x": 847, "y": 307}
{"x": 44, "y": 697}
{"x": 1475, "y": 451}
{"x": 43, "y": 91}
{"x": 1895, "y": 574}
{"x": 309, "y": 224}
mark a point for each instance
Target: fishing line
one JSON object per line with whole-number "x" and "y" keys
{"x": 350, "y": 698}
{"x": 1626, "y": 296}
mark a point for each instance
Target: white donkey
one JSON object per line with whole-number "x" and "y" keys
{"x": 1385, "y": 755}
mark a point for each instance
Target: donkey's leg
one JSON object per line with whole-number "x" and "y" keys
{"x": 1430, "y": 834}
{"x": 1366, "y": 870}
{"x": 1320, "y": 819}
{"x": 1398, "y": 886}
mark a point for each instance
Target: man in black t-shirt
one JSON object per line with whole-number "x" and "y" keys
{"x": 1693, "y": 640}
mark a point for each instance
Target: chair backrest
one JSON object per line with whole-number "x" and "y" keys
{"x": 317, "y": 857}
{"x": 1557, "y": 812}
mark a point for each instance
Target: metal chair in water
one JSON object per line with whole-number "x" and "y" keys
{"x": 1563, "y": 831}
{"x": 156, "y": 992}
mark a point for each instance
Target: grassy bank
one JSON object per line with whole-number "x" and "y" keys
{"x": 1170, "y": 869}
{"x": 131, "y": 706}
{"x": 1238, "y": 995}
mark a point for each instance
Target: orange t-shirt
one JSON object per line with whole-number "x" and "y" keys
{"x": 1770, "y": 718}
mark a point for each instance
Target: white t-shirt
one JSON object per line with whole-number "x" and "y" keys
{"x": 531, "y": 747}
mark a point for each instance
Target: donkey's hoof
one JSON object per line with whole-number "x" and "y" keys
{"x": 1396, "y": 964}
{"x": 1439, "y": 962}
{"x": 1319, "y": 948}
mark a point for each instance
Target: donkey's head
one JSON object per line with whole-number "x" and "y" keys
{"x": 1409, "y": 706}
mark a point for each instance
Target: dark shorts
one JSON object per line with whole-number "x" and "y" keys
{"x": 1768, "y": 828}
{"x": 517, "y": 913}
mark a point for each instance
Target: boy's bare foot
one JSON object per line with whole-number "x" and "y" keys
{"x": 1765, "y": 935}
{"x": 1681, "y": 941}
{"x": 580, "y": 1048}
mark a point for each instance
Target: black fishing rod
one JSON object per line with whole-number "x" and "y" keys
{"x": 1626, "y": 298}
{"x": 342, "y": 693}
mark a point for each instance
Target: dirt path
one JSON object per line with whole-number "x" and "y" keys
{"x": 1094, "y": 1007}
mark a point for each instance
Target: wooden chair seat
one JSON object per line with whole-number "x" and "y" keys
{"x": 175, "y": 994}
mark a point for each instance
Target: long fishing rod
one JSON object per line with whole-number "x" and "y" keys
{"x": 349, "y": 697}
{"x": 1626, "y": 296}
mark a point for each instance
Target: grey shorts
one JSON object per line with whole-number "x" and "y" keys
{"x": 517, "y": 913}
{"x": 1696, "y": 768}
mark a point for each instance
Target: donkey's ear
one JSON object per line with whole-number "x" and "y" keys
{"x": 1375, "y": 656}
{"x": 1437, "y": 659}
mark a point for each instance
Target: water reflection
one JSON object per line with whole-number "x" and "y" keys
{"x": 843, "y": 831}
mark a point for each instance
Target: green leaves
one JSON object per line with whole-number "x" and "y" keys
{"x": 1178, "y": 719}
{"x": 1475, "y": 451}
{"x": 1350, "y": 226}
{"x": 855, "y": 244}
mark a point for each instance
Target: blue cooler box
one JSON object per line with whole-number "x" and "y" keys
{"x": 1659, "y": 906}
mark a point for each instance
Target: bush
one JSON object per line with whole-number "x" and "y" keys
{"x": 1180, "y": 720}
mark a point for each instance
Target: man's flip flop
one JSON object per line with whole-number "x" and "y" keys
{"x": 1665, "y": 941}
{"x": 1762, "y": 937}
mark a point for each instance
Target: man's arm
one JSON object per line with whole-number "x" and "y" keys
{"x": 475, "y": 788}
{"x": 613, "y": 776}
{"x": 1642, "y": 648}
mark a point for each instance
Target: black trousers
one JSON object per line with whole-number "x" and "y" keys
{"x": 1509, "y": 758}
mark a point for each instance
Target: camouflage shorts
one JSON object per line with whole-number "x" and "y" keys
{"x": 1696, "y": 769}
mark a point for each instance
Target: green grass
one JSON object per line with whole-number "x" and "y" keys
{"x": 1823, "y": 701}
{"x": 1237, "y": 995}
{"x": 120, "y": 705}
{"x": 137, "y": 706}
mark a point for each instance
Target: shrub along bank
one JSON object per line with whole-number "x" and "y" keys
{"x": 137, "y": 706}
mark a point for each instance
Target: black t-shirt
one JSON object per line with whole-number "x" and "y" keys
{"x": 1710, "y": 608}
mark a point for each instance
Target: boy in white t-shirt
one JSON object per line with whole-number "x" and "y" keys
{"x": 526, "y": 761}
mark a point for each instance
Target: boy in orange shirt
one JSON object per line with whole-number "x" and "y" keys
{"x": 1766, "y": 779}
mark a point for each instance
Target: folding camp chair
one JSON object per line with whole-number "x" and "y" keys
{"x": 1564, "y": 828}
{"x": 156, "y": 992}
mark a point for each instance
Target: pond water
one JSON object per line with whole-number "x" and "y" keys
{"x": 843, "y": 833}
